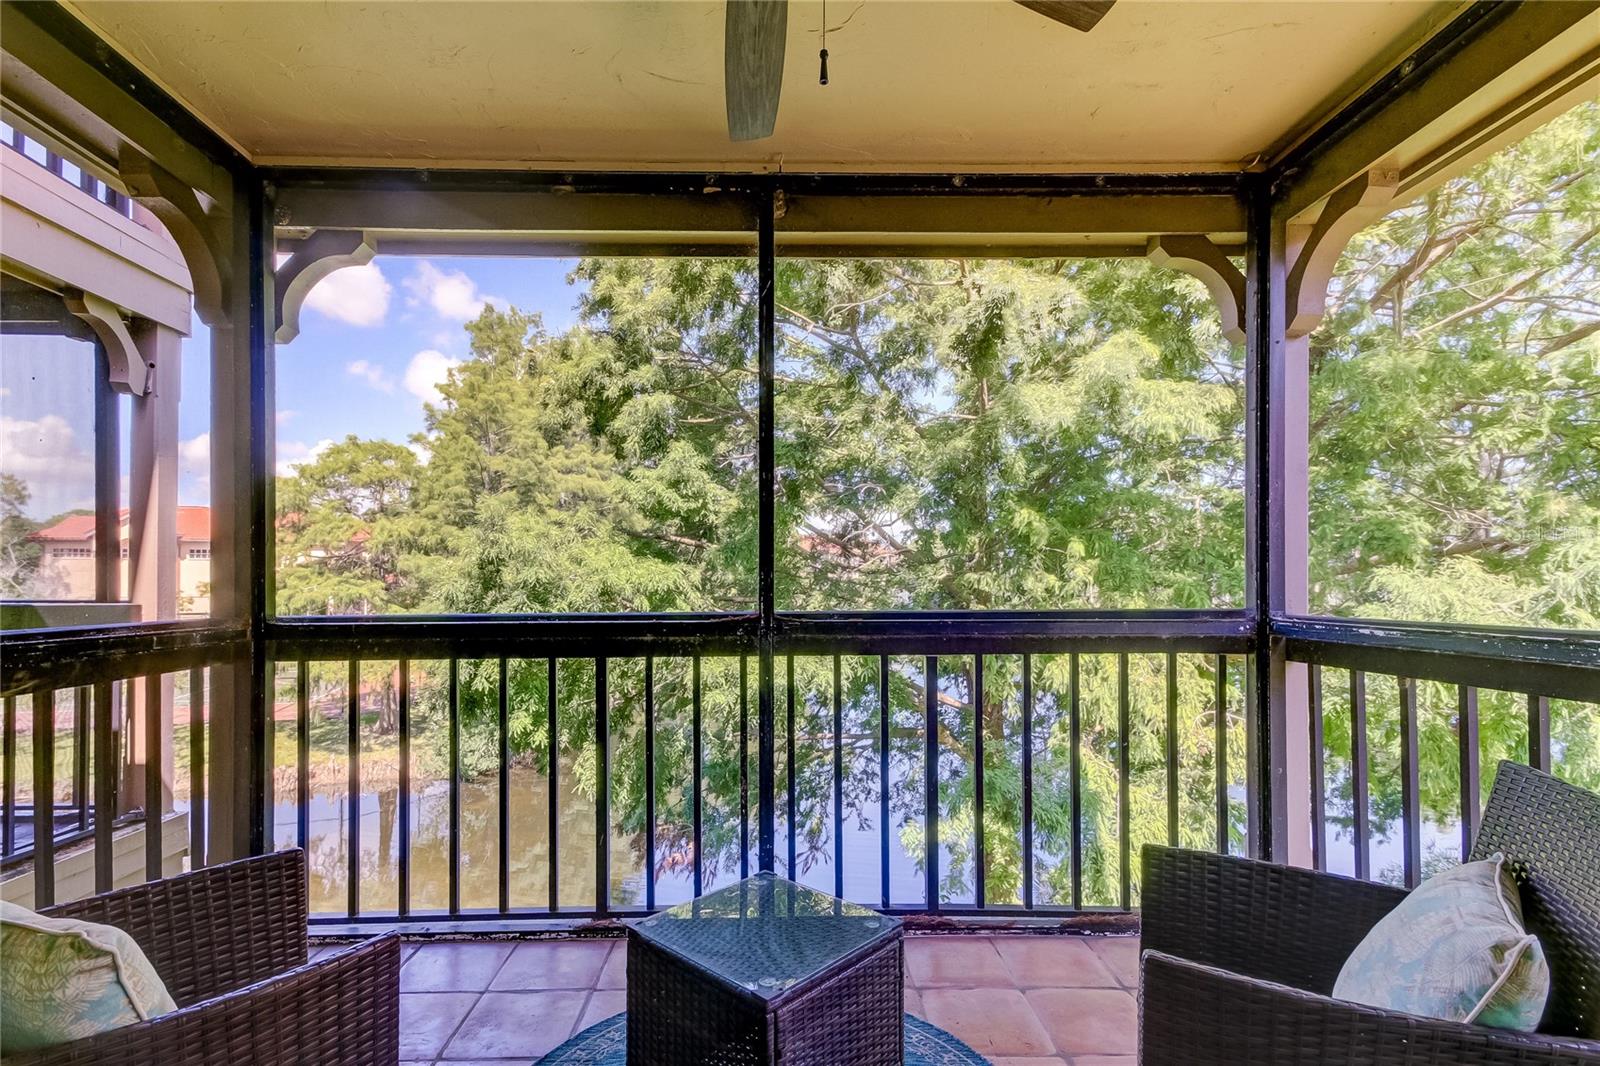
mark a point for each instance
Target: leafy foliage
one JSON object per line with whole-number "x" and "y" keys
{"x": 994, "y": 434}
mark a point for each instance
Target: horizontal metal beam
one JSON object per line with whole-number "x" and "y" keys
{"x": 870, "y": 633}
{"x": 41, "y": 660}
{"x": 1010, "y": 632}
{"x": 1419, "y": 94}
{"x": 511, "y": 636}
{"x": 629, "y": 213}
{"x": 1540, "y": 662}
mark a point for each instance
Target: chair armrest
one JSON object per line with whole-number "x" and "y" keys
{"x": 1277, "y": 923}
{"x": 1197, "y": 1015}
{"x": 343, "y": 1009}
{"x": 213, "y": 930}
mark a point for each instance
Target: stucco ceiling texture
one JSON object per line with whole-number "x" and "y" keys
{"x": 916, "y": 84}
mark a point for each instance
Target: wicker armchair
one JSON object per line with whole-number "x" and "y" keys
{"x": 1240, "y": 956}
{"x": 229, "y": 941}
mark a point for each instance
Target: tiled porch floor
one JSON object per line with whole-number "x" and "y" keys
{"x": 1017, "y": 1000}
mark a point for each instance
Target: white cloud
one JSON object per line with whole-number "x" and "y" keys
{"x": 285, "y": 417}
{"x": 371, "y": 373}
{"x": 194, "y": 468}
{"x": 195, "y": 453}
{"x": 428, "y": 370}
{"x": 356, "y": 295}
{"x": 450, "y": 293}
{"x": 46, "y": 455}
{"x": 292, "y": 453}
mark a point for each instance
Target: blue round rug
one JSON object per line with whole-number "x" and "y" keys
{"x": 606, "y": 1044}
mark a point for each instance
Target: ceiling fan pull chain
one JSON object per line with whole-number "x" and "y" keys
{"x": 824, "y": 54}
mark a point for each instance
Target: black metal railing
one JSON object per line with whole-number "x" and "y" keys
{"x": 75, "y": 778}
{"x": 1389, "y": 700}
{"x": 984, "y": 766}
{"x": 479, "y": 769}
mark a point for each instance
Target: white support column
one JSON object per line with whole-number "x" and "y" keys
{"x": 153, "y": 536}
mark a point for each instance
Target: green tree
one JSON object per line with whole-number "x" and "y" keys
{"x": 19, "y": 555}
{"x": 989, "y": 434}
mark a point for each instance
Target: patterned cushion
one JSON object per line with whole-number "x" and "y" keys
{"x": 64, "y": 980}
{"x": 1454, "y": 949}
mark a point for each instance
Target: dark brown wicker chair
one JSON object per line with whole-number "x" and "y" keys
{"x": 229, "y": 941}
{"x": 1240, "y": 956}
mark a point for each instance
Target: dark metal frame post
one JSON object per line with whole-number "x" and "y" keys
{"x": 766, "y": 554}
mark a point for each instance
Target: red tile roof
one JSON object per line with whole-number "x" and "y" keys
{"x": 194, "y": 524}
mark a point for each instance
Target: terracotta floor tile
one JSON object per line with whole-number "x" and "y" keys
{"x": 913, "y": 1003}
{"x": 955, "y": 962}
{"x": 1087, "y": 1021}
{"x": 508, "y": 1024}
{"x": 429, "y": 1019}
{"x": 1053, "y": 961}
{"x": 615, "y": 972}
{"x": 1104, "y": 1060}
{"x": 993, "y": 1021}
{"x": 1031, "y": 1060}
{"x": 1121, "y": 953}
{"x": 602, "y": 1005}
{"x": 554, "y": 964}
{"x": 452, "y": 967}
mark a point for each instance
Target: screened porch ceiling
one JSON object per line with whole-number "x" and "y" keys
{"x": 963, "y": 85}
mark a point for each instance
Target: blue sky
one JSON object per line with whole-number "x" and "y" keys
{"x": 375, "y": 341}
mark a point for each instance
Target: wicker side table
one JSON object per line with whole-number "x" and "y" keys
{"x": 762, "y": 972}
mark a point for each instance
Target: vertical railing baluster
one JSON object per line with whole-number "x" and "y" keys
{"x": 152, "y": 779}
{"x": 1319, "y": 775}
{"x": 838, "y": 779}
{"x": 1172, "y": 749}
{"x": 650, "y": 783}
{"x": 930, "y": 799}
{"x": 44, "y": 790}
{"x": 788, "y": 755}
{"x": 302, "y": 719}
{"x": 699, "y": 773}
{"x": 353, "y": 786}
{"x": 107, "y": 767}
{"x": 1027, "y": 781}
{"x": 1124, "y": 772}
{"x": 978, "y": 854}
{"x": 8, "y": 827}
{"x": 453, "y": 705}
{"x": 883, "y": 776}
{"x": 1358, "y": 771}
{"x": 80, "y": 755}
{"x": 552, "y": 773}
{"x": 1471, "y": 773}
{"x": 744, "y": 766}
{"x": 602, "y": 793}
{"x": 403, "y": 726}
{"x": 1075, "y": 757}
{"x": 1539, "y": 732}
{"x": 504, "y": 724}
{"x": 1220, "y": 758}
{"x": 1410, "y": 783}
{"x": 197, "y": 767}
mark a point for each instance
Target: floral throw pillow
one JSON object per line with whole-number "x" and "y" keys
{"x": 1455, "y": 949}
{"x": 64, "y": 980}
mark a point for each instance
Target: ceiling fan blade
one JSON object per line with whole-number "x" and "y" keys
{"x": 1079, "y": 14}
{"x": 753, "y": 65}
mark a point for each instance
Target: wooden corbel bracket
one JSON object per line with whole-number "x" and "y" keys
{"x": 311, "y": 259}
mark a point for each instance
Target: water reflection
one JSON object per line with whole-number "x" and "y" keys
{"x": 327, "y": 850}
